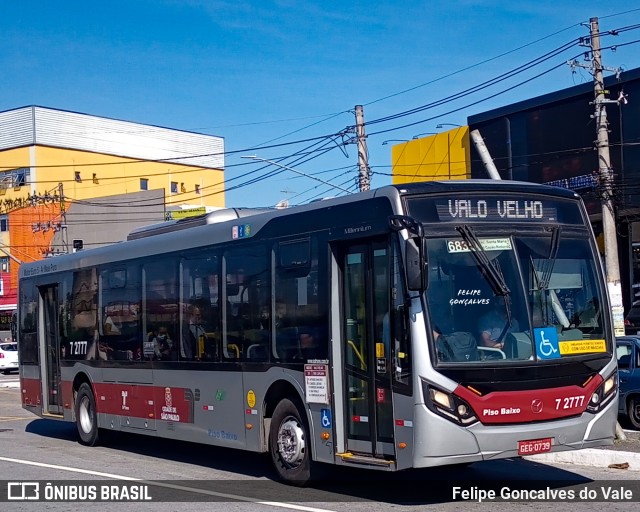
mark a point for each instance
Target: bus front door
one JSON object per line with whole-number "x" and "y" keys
{"x": 49, "y": 343}
{"x": 367, "y": 369}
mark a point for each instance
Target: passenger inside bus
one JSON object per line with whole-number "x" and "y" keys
{"x": 494, "y": 325}
{"x": 310, "y": 347}
{"x": 164, "y": 348}
{"x": 192, "y": 333}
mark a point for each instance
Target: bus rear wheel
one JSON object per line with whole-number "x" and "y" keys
{"x": 289, "y": 444}
{"x": 86, "y": 415}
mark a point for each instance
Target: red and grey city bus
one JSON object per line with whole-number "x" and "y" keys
{"x": 350, "y": 331}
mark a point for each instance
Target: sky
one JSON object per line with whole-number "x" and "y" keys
{"x": 279, "y": 79}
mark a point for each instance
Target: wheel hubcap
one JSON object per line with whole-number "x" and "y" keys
{"x": 86, "y": 422}
{"x": 291, "y": 444}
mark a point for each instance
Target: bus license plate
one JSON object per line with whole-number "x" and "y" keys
{"x": 533, "y": 446}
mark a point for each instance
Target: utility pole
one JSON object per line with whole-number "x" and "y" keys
{"x": 489, "y": 166}
{"x": 63, "y": 219}
{"x": 605, "y": 176}
{"x": 364, "y": 176}
{"x": 605, "y": 182}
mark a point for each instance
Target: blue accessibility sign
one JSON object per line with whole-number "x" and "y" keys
{"x": 325, "y": 418}
{"x": 547, "y": 342}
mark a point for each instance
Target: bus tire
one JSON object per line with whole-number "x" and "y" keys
{"x": 633, "y": 411}
{"x": 289, "y": 444}
{"x": 86, "y": 415}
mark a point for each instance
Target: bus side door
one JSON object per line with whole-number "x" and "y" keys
{"x": 365, "y": 267}
{"x": 49, "y": 342}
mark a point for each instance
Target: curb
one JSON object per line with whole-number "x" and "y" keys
{"x": 591, "y": 457}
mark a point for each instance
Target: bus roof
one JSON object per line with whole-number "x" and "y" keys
{"x": 217, "y": 226}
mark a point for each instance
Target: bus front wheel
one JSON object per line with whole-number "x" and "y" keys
{"x": 86, "y": 415}
{"x": 289, "y": 444}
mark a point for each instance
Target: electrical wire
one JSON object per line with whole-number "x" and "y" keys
{"x": 332, "y": 137}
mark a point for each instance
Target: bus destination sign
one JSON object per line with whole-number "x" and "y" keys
{"x": 495, "y": 208}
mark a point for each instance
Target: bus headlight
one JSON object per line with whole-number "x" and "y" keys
{"x": 604, "y": 394}
{"x": 448, "y": 405}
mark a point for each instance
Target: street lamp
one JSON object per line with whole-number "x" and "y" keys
{"x": 253, "y": 157}
{"x": 425, "y": 133}
{"x": 385, "y": 142}
{"x": 447, "y": 124}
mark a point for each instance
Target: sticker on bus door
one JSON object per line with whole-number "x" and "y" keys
{"x": 316, "y": 383}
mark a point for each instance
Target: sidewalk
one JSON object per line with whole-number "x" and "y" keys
{"x": 10, "y": 384}
{"x": 621, "y": 453}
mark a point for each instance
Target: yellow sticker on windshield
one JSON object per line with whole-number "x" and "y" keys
{"x": 568, "y": 348}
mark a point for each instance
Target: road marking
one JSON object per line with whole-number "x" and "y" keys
{"x": 236, "y": 497}
{"x": 13, "y": 418}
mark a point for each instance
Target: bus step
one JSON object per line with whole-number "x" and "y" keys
{"x": 52, "y": 415}
{"x": 365, "y": 460}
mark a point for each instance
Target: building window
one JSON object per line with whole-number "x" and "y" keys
{"x": 4, "y": 223}
{"x": 14, "y": 178}
{"x": 78, "y": 177}
{"x": 4, "y": 264}
{"x": 19, "y": 177}
{"x": 183, "y": 189}
{"x": 197, "y": 189}
{"x": 174, "y": 187}
{"x": 144, "y": 184}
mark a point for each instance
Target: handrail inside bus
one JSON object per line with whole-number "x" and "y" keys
{"x": 235, "y": 348}
{"x": 358, "y": 353}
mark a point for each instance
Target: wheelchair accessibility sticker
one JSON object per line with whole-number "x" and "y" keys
{"x": 547, "y": 342}
{"x": 325, "y": 418}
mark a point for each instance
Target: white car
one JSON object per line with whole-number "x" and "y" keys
{"x": 8, "y": 357}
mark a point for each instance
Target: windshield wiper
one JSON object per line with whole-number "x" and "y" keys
{"x": 547, "y": 271}
{"x": 491, "y": 272}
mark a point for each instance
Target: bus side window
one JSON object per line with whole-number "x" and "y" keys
{"x": 300, "y": 304}
{"x": 247, "y": 293}
{"x": 120, "y": 298}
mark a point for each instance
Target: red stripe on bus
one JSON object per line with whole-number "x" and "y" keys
{"x": 66, "y": 386}
{"x": 530, "y": 405}
{"x": 140, "y": 401}
{"x": 31, "y": 391}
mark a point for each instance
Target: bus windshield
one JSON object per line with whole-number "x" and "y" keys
{"x": 513, "y": 298}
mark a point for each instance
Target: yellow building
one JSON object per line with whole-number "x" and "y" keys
{"x": 441, "y": 156}
{"x": 109, "y": 175}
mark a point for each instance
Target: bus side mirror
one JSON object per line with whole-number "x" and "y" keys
{"x": 416, "y": 264}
